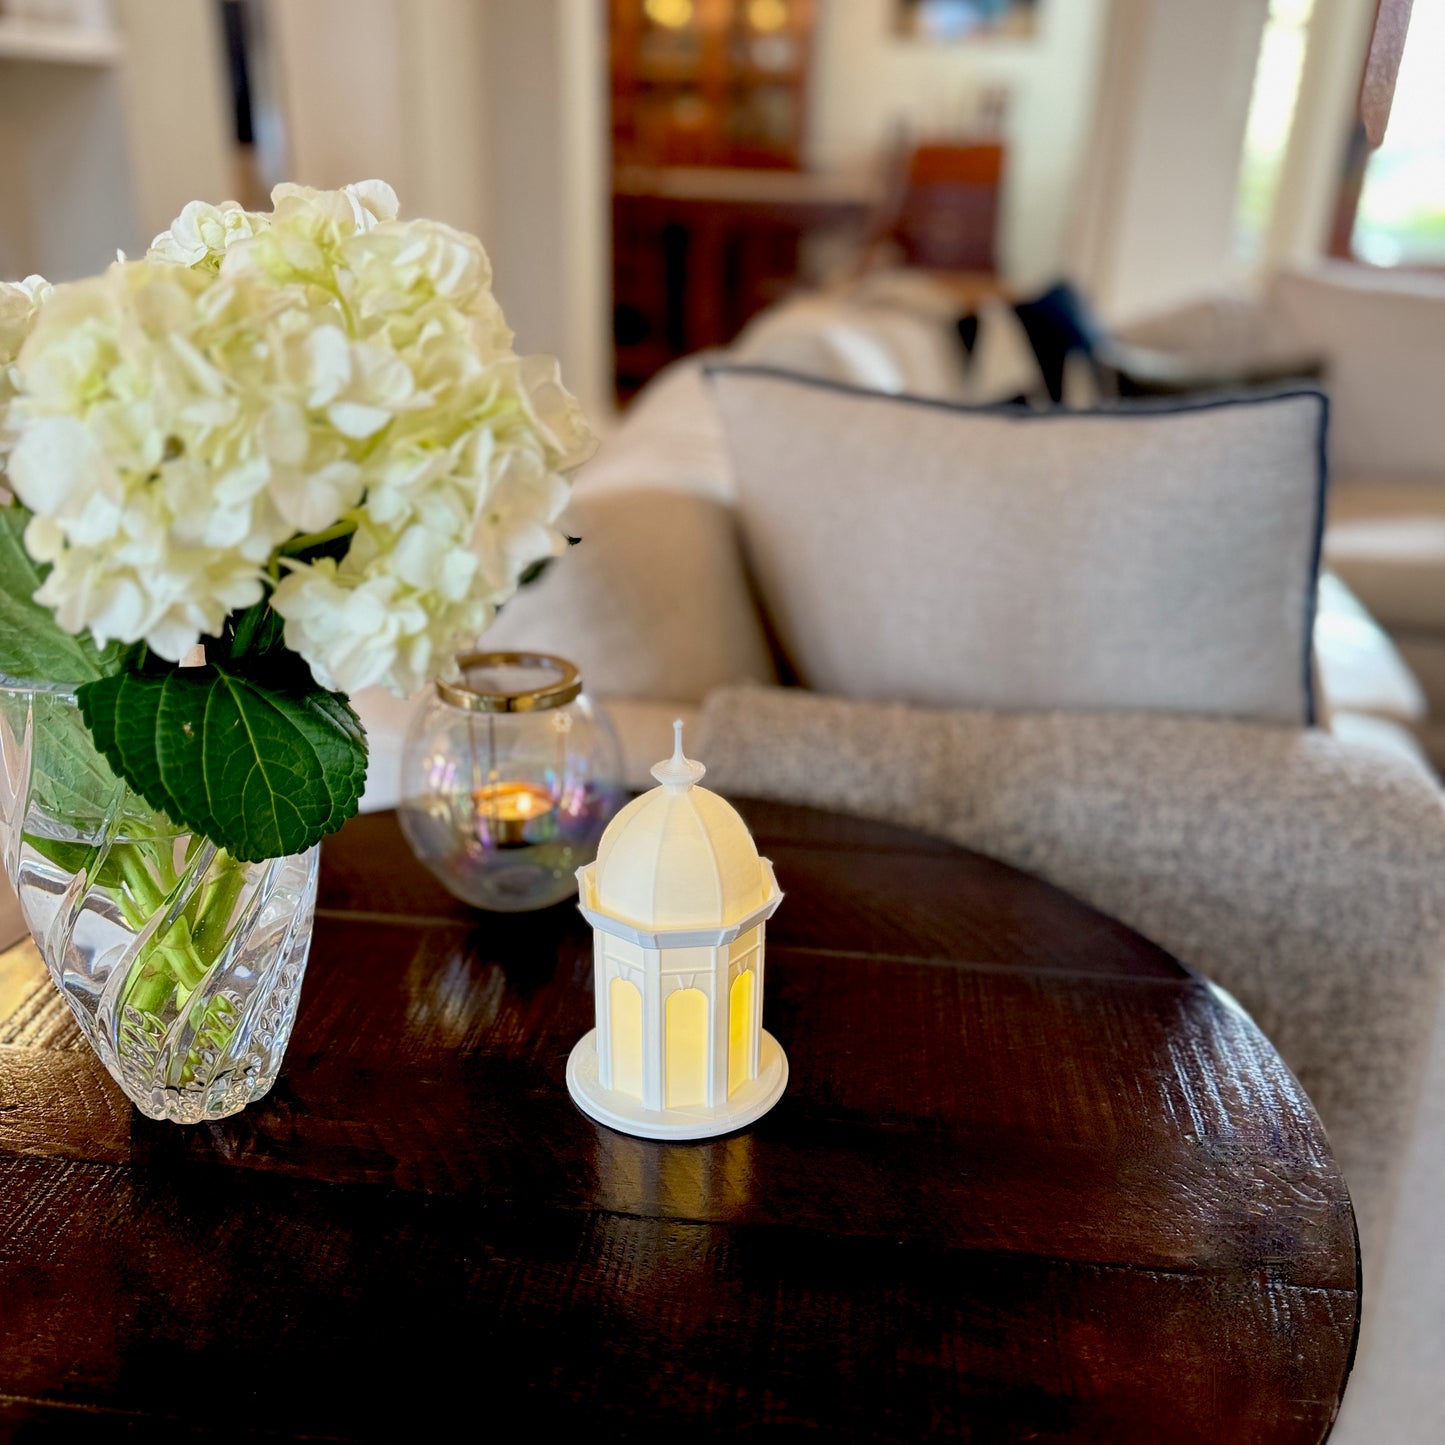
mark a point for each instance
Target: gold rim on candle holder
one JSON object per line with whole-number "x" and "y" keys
{"x": 530, "y": 699}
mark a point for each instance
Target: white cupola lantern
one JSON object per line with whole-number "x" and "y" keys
{"x": 678, "y": 899}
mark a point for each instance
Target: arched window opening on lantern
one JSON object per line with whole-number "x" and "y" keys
{"x": 625, "y": 1005}
{"x": 740, "y": 1031}
{"x": 686, "y": 1048}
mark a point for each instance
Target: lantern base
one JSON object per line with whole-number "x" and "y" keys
{"x": 629, "y": 1116}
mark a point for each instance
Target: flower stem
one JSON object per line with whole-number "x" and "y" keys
{"x": 221, "y": 892}
{"x": 176, "y": 961}
{"x": 307, "y": 540}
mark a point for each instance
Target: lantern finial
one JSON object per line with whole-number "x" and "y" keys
{"x": 678, "y": 773}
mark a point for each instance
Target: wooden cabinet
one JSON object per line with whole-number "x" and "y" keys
{"x": 698, "y": 251}
{"x": 702, "y": 89}
{"x": 709, "y": 82}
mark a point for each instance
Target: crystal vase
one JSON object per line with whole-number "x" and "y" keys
{"x": 182, "y": 965}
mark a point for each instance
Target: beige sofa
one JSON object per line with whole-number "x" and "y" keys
{"x": 665, "y": 474}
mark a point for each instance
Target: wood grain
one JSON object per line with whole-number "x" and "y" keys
{"x": 1032, "y": 1180}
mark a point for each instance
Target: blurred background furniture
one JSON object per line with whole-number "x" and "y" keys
{"x": 710, "y": 200}
{"x": 891, "y": 333}
{"x": 717, "y": 213}
{"x": 709, "y": 82}
{"x": 699, "y": 251}
{"x": 941, "y": 208}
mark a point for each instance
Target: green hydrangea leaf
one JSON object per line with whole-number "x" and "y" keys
{"x": 69, "y": 780}
{"x": 255, "y": 632}
{"x": 260, "y": 769}
{"x": 73, "y": 857}
{"x": 33, "y": 645}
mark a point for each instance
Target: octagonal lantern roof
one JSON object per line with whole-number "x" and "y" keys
{"x": 679, "y": 857}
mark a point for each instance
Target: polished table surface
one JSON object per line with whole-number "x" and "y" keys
{"x": 1031, "y": 1181}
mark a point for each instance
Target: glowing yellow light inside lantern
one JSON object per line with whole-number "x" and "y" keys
{"x": 507, "y": 808}
{"x": 626, "y": 1037}
{"x": 767, "y": 15}
{"x": 673, "y": 14}
{"x": 686, "y": 1020}
{"x": 740, "y": 1031}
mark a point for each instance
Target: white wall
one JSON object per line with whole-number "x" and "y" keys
{"x": 391, "y": 89}
{"x": 1156, "y": 218}
{"x": 99, "y": 157}
{"x": 65, "y": 194}
{"x": 177, "y": 108}
{"x": 546, "y": 120}
{"x": 444, "y": 109}
{"x": 342, "y": 87}
{"x": 866, "y": 80}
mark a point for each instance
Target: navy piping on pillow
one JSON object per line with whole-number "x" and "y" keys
{"x": 1312, "y": 597}
{"x": 1167, "y": 406}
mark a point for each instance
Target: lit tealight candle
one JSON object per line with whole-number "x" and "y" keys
{"x": 506, "y": 808}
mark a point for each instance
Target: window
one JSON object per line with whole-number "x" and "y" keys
{"x": 1271, "y": 114}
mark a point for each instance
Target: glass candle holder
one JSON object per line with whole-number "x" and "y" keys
{"x": 509, "y": 776}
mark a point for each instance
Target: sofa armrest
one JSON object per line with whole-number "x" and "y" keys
{"x": 1218, "y": 333}
{"x": 1360, "y": 668}
{"x": 1305, "y": 876}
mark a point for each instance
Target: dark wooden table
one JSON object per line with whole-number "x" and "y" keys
{"x": 1031, "y": 1181}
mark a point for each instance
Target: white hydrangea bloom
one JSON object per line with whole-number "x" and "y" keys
{"x": 202, "y": 234}
{"x": 140, "y": 459}
{"x": 466, "y": 494}
{"x": 261, "y": 385}
{"x": 20, "y": 303}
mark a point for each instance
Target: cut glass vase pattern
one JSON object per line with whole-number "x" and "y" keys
{"x": 182, "y": 966}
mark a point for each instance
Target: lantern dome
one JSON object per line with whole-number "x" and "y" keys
{"x": 679, "y": 857}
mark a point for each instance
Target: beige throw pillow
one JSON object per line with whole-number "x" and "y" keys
{"x": 652, "y": 603}
{"x": 1149, "y": 559}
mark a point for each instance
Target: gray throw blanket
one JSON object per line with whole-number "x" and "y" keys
{"x": 1303, "y": 875}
